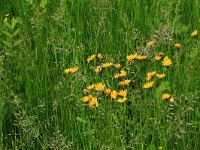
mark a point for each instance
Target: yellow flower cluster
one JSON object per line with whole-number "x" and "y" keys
{"x": 166, "y": 62}
{"x": 136, "y": 56}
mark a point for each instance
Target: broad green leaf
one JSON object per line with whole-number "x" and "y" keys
{"x": 43, "y": 3}
{"x": 16, "y": 32}
{"x": 16, "y": 43}
{"x": 7, "y": 24}
{"x": 7, "y": 34}
{"x": 13, "y": 23}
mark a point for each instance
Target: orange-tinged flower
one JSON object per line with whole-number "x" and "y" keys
{"x": 122, "y": 73}
{"x": 125, "y": 82}
{"x": 91, "y": 87}
{"x": 122, "y": 100}
{"x": 107, "y": 65}
{"x": 160, "y": 76}
{"x": 91, "y": 58}
{"x": 122, "y": 93}
{"x": 113, "y": 94}
{"x": 160, "y": 54}
{"x": 98, "y": 69}
{"x": 166, "y": 62}
{"x": 67, "y": 71}
{"x": 194, "y": 33}
{"x": 131, "y": 57}
{"x": 157, "y": 58}
{"x": 166, "y": 96}
{"x": 150, "y": 43}
{"x": 93, "y": 103}
{"x": 148, "y": 85}
{"x": 150, "y": 75}
{"x": 117, "y": 75}
{"x": 99, "y": 87}
{"x": 100, "y": 56}
{"x": 177, "y": 45}
{"x": 108, "y": 91}
{"x": 118, "y": 66}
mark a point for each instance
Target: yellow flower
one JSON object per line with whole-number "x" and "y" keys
{"x": 5, "y": 20}
{"x": 98, "y": 69}
{"x": 6, "y": 15}
{"x": 125, "y": 82}
{"x": 194, "y": 33}
{"x": 177, "y": 45}
{"x": 165, "y": 96}
{"x": 118, "y": 66}
{"x": 90, "y": 87}
{"x": 117, "y": 75}
{"x": 171, "y": 100}
{"x": 71, "y": 70}
{"x": 140, "y": 57}
{"x": 122, "y": 73}
{"x": 86, "y": 98}
{"x": 107, "y": 65}
{"x": 113, "y": 94}
{"x": 148, "y": 85}
{"x": 99, "y": 87}
{"x": 150, "y": 75}
{"x": 91, "y": 58}
{"x": 131, "y": 57}
{"x": 150, "y": 44}
{"x": 157, "y": 58}
{"x": 166, "y": 62}
{"x": 122, "y": 100}
{"x": 122, "y": 93}
{"x": 93, "y": 103}
{"x": 100, "y": 56}
{"x": 160, "y": 76}
{"x": 108, "y": 91}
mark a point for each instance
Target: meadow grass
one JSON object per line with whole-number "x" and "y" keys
{"x": 42, "y": 106}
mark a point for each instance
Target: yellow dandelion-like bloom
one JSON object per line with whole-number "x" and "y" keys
{"x": 148, "y": 85}
{"x": 150, "y": 75}
{"x": 140, "y": 57}
{"x": 93, "y": 103}
{"x": 194, "y": 33}
{"x": 166, "y": 62}
{"x": 118, "y": 66}
{"x": 122, "y": 100}
{"x": 113, "y": 94}
{"x": 117, "y": 75}
{"x": 99, "y": 87}
{"x": 108, "y": 91}
{"x": 160, "y": 76}
{"x": 131, "y": 57}
{"x": 122, "y": 93}
{"x": 177, "y": 45}
{"x": 91, "y": 58}
{"x": 122, "y": 73}
{"x": 150, "y": 43}
{"x": 166, "y": 96}
{"x": 107, "y": 65}
{"x": 98, "y": 69}
{"x": 100, "y": 56}
{"x": 125, "y": 82}
{"x": 91, "y": 87}
{"x": 157, "y": 58}
{"x": 86, "y": 98}
{"x": 71, "y": 70}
